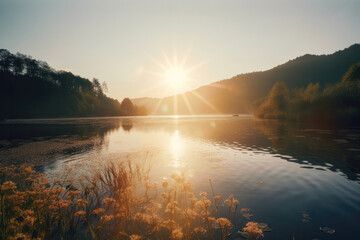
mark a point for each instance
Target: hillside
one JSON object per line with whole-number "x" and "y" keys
{"x": 334, "y": 104}
{"x": 32, "y": 89}
{"x": 236, "y": 94}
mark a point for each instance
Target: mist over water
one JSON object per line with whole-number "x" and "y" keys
{"x": 277, "y": 169}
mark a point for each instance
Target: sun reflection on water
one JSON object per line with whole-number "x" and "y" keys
{"x": 176, "y": 149}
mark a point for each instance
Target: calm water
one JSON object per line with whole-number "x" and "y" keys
{"x": 304, "y": 168}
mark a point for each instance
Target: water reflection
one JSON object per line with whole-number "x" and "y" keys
{"x": 42, "y": 141}
{"x": 304, "y": 168}
{"x": 176, "y": 149}
{"x": 126, "y": 124}
{"x": 336, "y": 150}
{"x": 332, "y": 149}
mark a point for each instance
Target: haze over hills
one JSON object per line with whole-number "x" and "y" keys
{"x": 236, "y": 94}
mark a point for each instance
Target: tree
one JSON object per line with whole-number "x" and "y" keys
{"x": 97, "y": 87}
{"x": 104, "y": 87}
{"x": 276, "y": 103}
{"x": 5, "y": 61}
{"x": 127, "y": 107}
{"x": 353, "y": 74}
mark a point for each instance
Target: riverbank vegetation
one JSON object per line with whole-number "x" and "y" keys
{"x": 339, "y": 102}
{"x": 32, "y": 89}
{"x": 118, "y": 202}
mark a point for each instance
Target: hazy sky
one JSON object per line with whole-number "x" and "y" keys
{"x": 120, "y": 41}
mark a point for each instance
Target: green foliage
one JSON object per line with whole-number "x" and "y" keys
{"x": 276, "y": 103}
{"x": 334, "y": 103}
{"x": 353, "y": 74}
{"x": 32, "y": 89}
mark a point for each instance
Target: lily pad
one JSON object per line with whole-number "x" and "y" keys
{"x": 264, "y": 227}
{"x": 327, "y": 230}
{"x": 305, "y": 217}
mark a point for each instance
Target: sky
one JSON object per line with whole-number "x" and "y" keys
{"x": 130, "y": 44}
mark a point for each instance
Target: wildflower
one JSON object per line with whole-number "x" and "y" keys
{"x": 8, "y": 185}
{"x": 107, "y": 218}
{"x": 28, "y": 170}
{"x": 203, "y": 194}
{"x": 64, "y": 203}
{"x": 81, "y": 202}
{"x": 22, "y": 236}
{"x": 154, "y": 206}
{"x": 29, "y": 220}
{"x": 98, "y": 211}
{"x": 245, "y": 210}
{"x": 165, "y": 195}
{"x": 187, "y": 186}
{"x": 213, "y": 222}
{"x": 193, "y": 201}
{"x": 191, "y": 214}
{"x": 223, "y": 222}
{"x": 231, "y": 201}
{"x": 72, "y": 194}
{"x": 137, "y": 217}
{"x": 109, "y": 201}
{"x": 165, "y": 184}
{"x": 253, "y": 229}
{"x": 172, "y": 206}
{"x": 218, "y": 198}
{"x": 135, "y": 237}
{"x": 30, "y": 179}
{"x": 147, "y": 218}
{"x": 247, "y": 215}
{"x": 177, "y": 234}
{"x": 200, "y": 230}
{"x": 203, "y": 204}
{"x": 28, "y": 212}
{"x": 80, "y": 214}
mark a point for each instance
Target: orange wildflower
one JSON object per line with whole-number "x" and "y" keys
{"x": 80, "y": 214}
{"x": 8, "y": 185}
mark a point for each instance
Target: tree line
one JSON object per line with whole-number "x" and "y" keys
{"x": 30, "y": 88}
{"x": 338, "y": 102}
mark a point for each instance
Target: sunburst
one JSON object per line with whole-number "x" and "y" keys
{"x": 176, "y": 78}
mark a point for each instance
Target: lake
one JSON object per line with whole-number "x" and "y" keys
{"x": 295, "y": 178}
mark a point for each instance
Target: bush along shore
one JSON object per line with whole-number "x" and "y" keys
{"x": 117, "y": 202}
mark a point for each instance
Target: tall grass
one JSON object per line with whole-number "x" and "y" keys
{"x": 117, "y": 202}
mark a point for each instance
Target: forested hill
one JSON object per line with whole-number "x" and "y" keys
{"x": 235, "y": 95}
{"x": 32, "y": 89}
{"x": 335, "y": 104}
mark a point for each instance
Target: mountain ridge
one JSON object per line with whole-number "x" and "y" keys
{"x": 235, "y": 94}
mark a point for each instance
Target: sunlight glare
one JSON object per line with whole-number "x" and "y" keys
{"x": 175, "y": 77}
{"x": 176, "y": 148}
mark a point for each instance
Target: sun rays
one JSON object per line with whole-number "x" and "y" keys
{"x": 175, "y": 77}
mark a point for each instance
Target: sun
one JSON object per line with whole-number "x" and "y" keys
{"x": 175, "y": 77}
